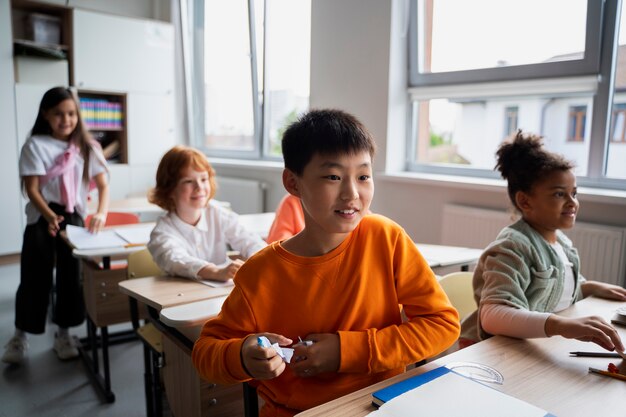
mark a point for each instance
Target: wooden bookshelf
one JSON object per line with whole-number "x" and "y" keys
{"x": 105, "y": 115}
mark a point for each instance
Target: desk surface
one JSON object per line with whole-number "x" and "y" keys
{"x": 162, "y": 292}
{"x": 258, "y": 223}
{"x": 539, "y": 371}
{"x": 442, "y": 255}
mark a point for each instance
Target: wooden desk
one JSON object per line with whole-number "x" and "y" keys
{"x": 105, "y": 306}
{"x": 258, "y": 223}
{"x": 539, "y": 371}
{"x": 187, "y": 393}
{"x": 439, "y": 256}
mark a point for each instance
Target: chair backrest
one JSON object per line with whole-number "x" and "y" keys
{"x": 458, "y": 287}
{"x": 115, "y": 218}
{"x": 141, "y": 264}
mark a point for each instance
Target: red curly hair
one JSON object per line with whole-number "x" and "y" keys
{"x": 169, "y": 172}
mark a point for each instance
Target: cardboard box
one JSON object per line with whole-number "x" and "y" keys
{"x": 43, "y": 28}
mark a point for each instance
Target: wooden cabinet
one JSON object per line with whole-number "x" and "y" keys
{"x": 115, "y": 53}
{"x": 104, "y": 302}
{"x": 190, "y": 396}
{"x": 104, "y": 114}
{"x": 41, "y": 33}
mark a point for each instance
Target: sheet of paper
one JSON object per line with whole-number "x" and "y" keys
{"x": 81, "y": 238}
{"x": 216, "y": 284}
{"x": 136, "y": 235}
{"x": 470, "y": 399}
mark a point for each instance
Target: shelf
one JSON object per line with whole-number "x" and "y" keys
{"x": 104, "y": 114}
{"x": 45, "y": 50}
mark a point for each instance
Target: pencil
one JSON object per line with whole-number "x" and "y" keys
{"x": 134, "y": 245}
{"x": 596, "y": 354}
{"x": 615, "y": 375}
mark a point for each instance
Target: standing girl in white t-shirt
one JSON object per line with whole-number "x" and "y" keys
{"x": 57, "y": 164}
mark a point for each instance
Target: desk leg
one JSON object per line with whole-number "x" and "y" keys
{"x": 92, "y": 364}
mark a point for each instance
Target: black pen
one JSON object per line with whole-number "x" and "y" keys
{"x": 596, "y": 354}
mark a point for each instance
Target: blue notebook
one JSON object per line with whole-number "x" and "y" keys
{"x": 443, "y": 392}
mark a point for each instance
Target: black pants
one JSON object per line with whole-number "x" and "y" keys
{"x": 40, "y": 252}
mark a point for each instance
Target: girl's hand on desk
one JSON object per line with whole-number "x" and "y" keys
{"x": 220, "y": 274}
{"x": 322, "y": 356}
{"x": 263, "y": 363}
{"x": 587, "y": 329}
{"x": 604, "y": 290}
{"x": 97, "y": 222}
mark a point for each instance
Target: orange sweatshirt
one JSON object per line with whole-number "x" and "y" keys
{"x": 289, "y": 219}
{"x": 353, "y": 291}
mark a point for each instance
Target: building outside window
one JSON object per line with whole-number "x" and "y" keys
{"x": 546, "y": 81}
{"x": 577, "y": 122}
{"x": 618, "y": 125}
{"x": 510, "y": 120}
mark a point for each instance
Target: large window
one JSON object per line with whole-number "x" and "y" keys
{"x": 253, "y": 57}
{"x": 542, "y": 64}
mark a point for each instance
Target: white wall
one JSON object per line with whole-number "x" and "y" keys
{"x": 9, "y": 181}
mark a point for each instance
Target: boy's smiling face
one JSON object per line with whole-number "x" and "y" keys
{"x": 336, "y": 192}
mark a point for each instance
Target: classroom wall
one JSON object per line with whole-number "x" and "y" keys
{"x": 10, "y": 219}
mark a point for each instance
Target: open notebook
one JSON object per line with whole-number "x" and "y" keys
{"x": 444, "y": 393}
{"x": 80, "y": 237}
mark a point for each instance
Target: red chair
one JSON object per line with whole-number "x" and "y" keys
{"x": 115, "y": 218}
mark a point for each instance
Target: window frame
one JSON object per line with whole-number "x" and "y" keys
{"x": 596, "y": 67}
{"x": 260, "y": 94}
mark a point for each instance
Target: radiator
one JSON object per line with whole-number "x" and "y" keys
{"x": 602, "y": 249}
{"x": 245, "y": 196}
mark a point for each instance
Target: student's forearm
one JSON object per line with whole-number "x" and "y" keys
{"x": 103, "y": 193}
{"x": 35, "y": 197}
{"x": 514, "y": 322}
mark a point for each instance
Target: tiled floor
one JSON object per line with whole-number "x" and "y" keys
{"x": 44, "y": 386}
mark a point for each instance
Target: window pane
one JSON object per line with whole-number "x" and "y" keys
{"x": 467, "y": 132}
{"x": 616, "y": 157}
{"x": 228, "y": 117}
{"x": 287, "y": 58}
{"x": 464, "y": 35}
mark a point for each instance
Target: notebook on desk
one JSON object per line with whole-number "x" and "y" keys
{"x": 444, "y": 393}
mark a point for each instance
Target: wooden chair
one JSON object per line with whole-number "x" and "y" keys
{"x": 141, "y": 264}
{"x": 458, "y": 287}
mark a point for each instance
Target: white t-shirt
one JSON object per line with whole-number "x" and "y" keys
{"x": 38, "y": 156}
{"x": 568, "y": 284}
{"x": 181, "y": 249}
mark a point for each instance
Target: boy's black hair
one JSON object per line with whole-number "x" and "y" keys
{"x": 523, "y": 161}
{"x": 324, "y": 132}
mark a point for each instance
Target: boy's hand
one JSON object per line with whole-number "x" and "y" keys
{"x": 322, "y": 356}
{"x": 587, "y": 329}
{"x": 54, "y": 224}
{"x": 263, "y": 363}
{"x": 604, "y": 290}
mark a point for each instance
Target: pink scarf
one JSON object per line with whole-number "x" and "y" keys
{"x": 64, "y": 166}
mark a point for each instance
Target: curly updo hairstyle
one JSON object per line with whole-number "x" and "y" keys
{"x": 523, "y": 161}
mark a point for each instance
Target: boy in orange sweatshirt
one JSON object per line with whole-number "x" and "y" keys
{"x": 338, "y": 283}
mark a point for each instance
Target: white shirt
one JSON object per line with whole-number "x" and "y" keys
{"x": 568, "y": 284}
{"x": 38, "y": 156}
{"x": 183, "y": 250}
